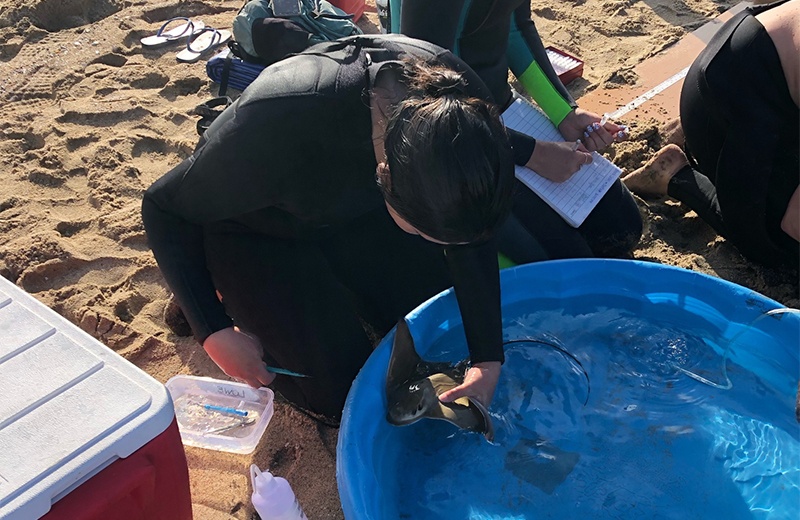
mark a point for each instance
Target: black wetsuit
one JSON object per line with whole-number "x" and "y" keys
{"x": 278, "y": 210}
{"x": 743, "y": 130}
{"x": 492, "y": 37}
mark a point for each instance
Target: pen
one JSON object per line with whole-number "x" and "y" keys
{"x": 278, "y": 370}
{"x": 226, "y": 409}
{"x": 620, "y": 134}
{"x": 576, "y": 145}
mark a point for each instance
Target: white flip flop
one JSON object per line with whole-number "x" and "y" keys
{"x": 202, "y": 43}
{"x": 163, "y": 36}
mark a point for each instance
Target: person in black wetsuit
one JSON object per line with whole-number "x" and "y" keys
{"x": 493, "y": 37}
{"x": 741, "y": 126}
{"x": 279, "y": 212}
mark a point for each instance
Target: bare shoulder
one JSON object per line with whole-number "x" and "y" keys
{"x": 783, "y": 26}
{"x": 783, "y": 17}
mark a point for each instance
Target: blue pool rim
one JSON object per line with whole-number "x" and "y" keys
{"x": 717, "y": 300}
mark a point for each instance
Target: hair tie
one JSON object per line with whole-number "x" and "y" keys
{"x": 447, "y": 90}
{"x": 447, "y": 85}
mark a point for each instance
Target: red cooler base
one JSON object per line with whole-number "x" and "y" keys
{"x": 151, "y": 484}
{"x": 354, "y": 7}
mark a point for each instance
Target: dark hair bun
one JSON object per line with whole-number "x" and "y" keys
{"x": 446, "y": 83}
{"x": 433, "y": 80}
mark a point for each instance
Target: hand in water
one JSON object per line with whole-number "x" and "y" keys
{"x": 479, "y": 382}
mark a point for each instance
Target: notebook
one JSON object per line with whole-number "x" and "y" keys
{"x": 576, "y": 197}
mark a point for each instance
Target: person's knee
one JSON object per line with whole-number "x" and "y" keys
{"x": 319, "y": 401}
{"x": 618, "y": 245}
{"x": 624, "y": 228}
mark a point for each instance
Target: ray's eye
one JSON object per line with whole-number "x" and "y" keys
{"x": 419, "y": 407}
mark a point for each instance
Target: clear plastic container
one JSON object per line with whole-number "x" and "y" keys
{"x": 220, "y": 415}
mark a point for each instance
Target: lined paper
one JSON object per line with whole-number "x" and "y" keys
{"x": 576, "y": 197}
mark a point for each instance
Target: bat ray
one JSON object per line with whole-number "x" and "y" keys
{"x": 540, "y": 463}
{"x": 413, "y": 387}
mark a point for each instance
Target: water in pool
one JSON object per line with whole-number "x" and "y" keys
{"x": 611, "y": 427}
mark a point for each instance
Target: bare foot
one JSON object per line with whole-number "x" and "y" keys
{"x": 672, "y": 132}
{"x": 651, "y": 180}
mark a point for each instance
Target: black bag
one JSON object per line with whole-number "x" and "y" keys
{"x": 261, "y": 36}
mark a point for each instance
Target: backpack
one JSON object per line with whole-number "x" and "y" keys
{"x": 262, "y": 37}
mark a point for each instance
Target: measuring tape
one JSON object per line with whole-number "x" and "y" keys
{"x": 650, "y": 94}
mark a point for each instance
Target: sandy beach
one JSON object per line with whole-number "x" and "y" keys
{"x": 91, "y": 120}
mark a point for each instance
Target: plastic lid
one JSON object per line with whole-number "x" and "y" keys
{"x": 69, "y": 406}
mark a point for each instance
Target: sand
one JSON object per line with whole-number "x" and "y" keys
{"x": 90, "y": 120}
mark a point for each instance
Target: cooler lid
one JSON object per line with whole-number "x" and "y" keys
{"x": 69, "y": 406}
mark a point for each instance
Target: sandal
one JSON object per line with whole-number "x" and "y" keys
{"x": 202, "y": 43}
{"x": 210, "y": 110}
{"x": 163, "y": 36}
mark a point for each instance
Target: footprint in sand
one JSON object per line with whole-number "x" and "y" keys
{"x": 69, "y": 270}
{"x": 129, "y": 306}
{"x": 21, "y": 142}
{"x": 111, "y": 59}
{"x": 75, "y": 142}
{"x": 56, "y": 15}
{"x": 68, "y": 229}
{"x": 46, "y": 179}
{"x": 283, "y": 461}
{"x": 125, "y": 227}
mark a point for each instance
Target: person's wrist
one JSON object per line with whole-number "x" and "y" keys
{"x": 217, "y": 335}
{"x": 491, "y": 366}
{"x": 567, "y": 120}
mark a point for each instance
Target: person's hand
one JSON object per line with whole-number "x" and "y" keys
{"x": 479, "y": 383}
{"x": 558, "y": 161}
{"x": 239, "y": 356}
{"x": 790, "y": 224}
{"x": 586, "y": 126}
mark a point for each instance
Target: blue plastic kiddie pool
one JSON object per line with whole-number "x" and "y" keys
{"x": 671, "y": 395}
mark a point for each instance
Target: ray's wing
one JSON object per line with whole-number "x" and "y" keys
{"x": 487, "y": 428}
{"x": 404, "y": 358}
{"x": 465, "y": 412}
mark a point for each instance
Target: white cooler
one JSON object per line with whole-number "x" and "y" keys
{"x": 84, "y": 434}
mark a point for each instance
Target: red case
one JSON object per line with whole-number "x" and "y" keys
{"x": 571, "y": 71}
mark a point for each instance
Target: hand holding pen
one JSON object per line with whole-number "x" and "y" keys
{"x": 239, "y": 355}
{"x": 594, "y": 131}
{"x": 599, "y": 134}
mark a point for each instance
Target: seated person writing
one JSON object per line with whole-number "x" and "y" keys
{"x": 493, "y": 37}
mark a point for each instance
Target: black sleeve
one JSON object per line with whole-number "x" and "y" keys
{"x": 476, "y": 279}
{"x": 433, "y": 21}
{"x": 177, "y": 245}
{"x": 241, "y": 167}
{"x": 522, "y": 145}
{"x": 524, "y": 25}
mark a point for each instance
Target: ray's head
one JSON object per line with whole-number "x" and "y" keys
{"x": 409, "y": 405}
